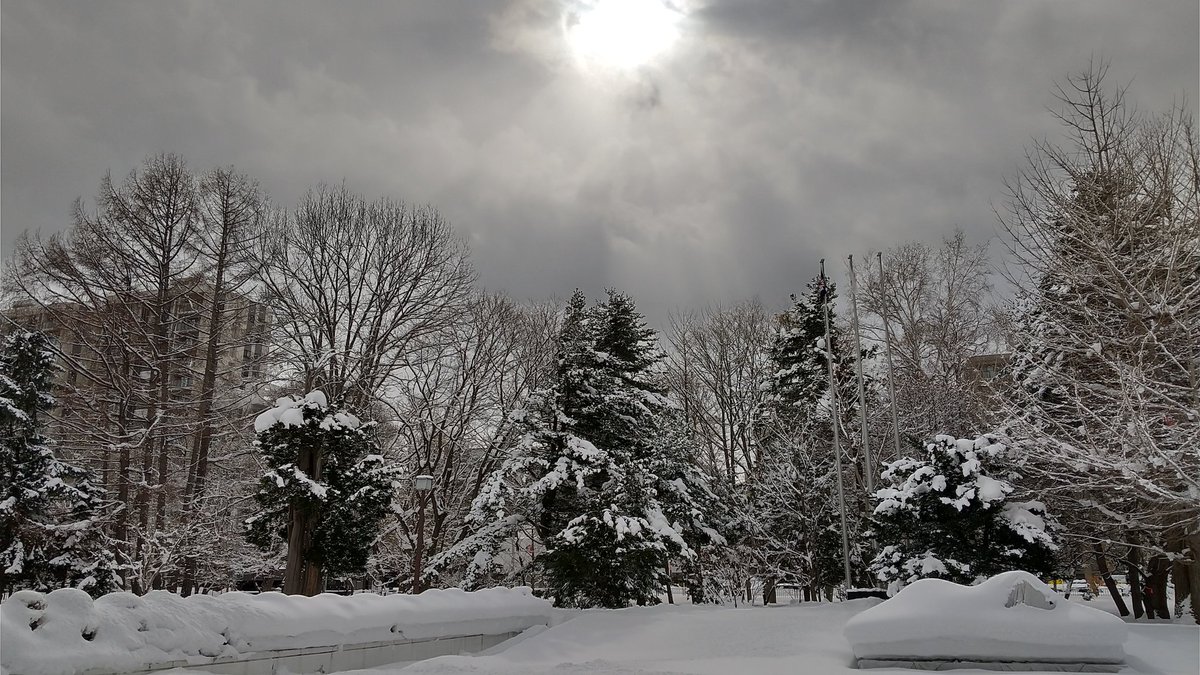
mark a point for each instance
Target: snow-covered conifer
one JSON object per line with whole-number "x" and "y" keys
{"x": 325, "y": 493}
{"x": 49, "y": 534}
{"x": 793, "y": 494}
{"x": 593, "y": 480}
{"x": 949, "y": 515}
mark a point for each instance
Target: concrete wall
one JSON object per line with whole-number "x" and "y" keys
{"x": 330, "y": 659}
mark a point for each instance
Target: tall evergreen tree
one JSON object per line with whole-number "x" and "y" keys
{"x": 793, "y": 496}
{"x": 49, "y": 536}
{"x": 325, "y": 493}
{"x": 801, "y": 376}
{"x": 596, "y": 477}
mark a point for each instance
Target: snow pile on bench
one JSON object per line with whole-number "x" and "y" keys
{"x": 65, "y": 632}
{"x": 1011, "y": 618}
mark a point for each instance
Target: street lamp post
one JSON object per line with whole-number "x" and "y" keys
{"x": 422, "y": 485}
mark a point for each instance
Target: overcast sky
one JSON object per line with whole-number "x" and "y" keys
{"x": 770, "y": 134}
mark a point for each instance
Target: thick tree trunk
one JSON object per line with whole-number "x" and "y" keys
{"x": 303, "y": 576}
{"x": 1109, "y": 582}
{"x": 769, "y": 591}
{"x": 1160, "y": 570}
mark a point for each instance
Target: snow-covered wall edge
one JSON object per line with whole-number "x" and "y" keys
{"x": 67, "y": 633}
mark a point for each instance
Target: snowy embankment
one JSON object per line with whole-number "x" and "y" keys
{"x": 1011, "y": 618}
{"x": 65, "y": 632}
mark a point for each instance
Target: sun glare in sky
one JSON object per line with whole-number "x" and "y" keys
{"x": 621, "y": 33}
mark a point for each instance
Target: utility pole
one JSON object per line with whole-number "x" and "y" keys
{"x": 823, "y": 296}
{"x": 887, "y": 332}
{"x": 868, "y": 468}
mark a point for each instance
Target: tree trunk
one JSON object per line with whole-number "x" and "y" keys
{"x": 1109, "y": 582}
{"x": 1135, "y": 582}
{"x": 198, "y": 466}
{"x": 769, "y": 591}
{"x": 670, "y": 594}
{"x": 303, "y": 576}
{"x": 160, "y": 505}
{"x": 1193, "y": 576}
{"x": 1160, "y": 570}
{"x": 1183, "y": 588}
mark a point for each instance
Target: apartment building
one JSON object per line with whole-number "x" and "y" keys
{"x": 106, "y": 355}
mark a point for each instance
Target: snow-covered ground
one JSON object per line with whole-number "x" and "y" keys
{"x": 787, "y": 640}
{"x": 801, "y": 638}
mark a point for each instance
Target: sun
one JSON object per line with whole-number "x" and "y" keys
{"x": 623, "y": 34}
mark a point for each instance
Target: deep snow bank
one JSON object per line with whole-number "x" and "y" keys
{"x": 65, "y": 632}
{"x": 1011, "y": 617}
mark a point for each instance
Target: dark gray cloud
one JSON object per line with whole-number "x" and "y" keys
{"x": 774, "y": 133}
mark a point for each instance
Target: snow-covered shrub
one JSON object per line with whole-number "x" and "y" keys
{"x": 948, "y": 516}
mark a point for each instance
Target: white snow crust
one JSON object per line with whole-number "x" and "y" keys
{"x": 1010, "y": 617}
{"x": 289, "y": 411}
{"x": 48, "y": 634}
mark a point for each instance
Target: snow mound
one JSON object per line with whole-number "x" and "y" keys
{"x": 64, "y": 632}
{"x": 1011, "y": 617}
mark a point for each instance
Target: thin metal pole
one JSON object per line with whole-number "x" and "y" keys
{"x": 887, "y": 332}
{"x": 823, "y": 296}
{"x": 868, "y": 469}
{"x": 416, "y": 584}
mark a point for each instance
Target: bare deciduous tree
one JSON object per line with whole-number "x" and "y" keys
{"x": 356, "y": 286}
{"x": 717, "y": 369}
{"x": 1103, "y": 231}
{"x": 936, "y": 301}
{"x": 452, "y": 413}
{"x": 120, "y": 287}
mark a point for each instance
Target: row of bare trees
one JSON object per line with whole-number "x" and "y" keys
{"x": 182, "y": 303}
{"x": 138, "y": 293}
